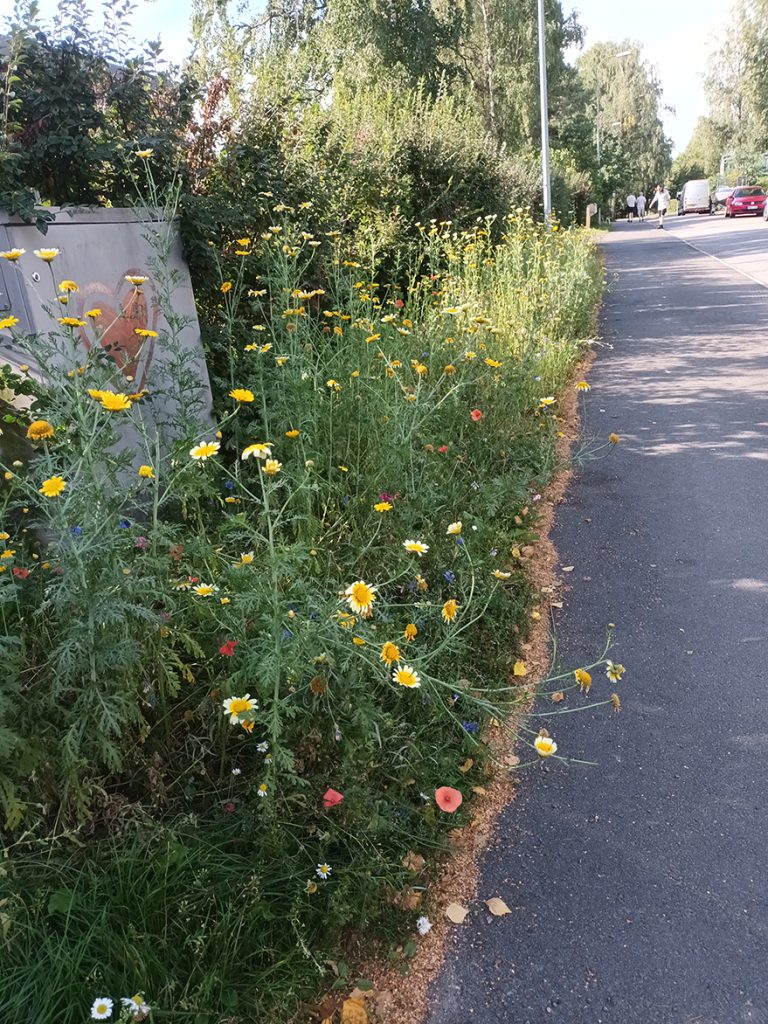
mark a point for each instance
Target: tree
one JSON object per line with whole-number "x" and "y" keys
{"x": 625, "y": 107}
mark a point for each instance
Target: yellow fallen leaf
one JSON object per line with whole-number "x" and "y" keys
{"x": 353, "y": 1012}
{"x": 495, "y": 723}
{"x": 515, "y": 552}
{"x": 466, "y": 765}
{"x": 480, "y": 790}
{"x": 536, "y": 616}
{"x": 456, "y": 913}
{"x": 497, "y": 906}
{"x": 520, "y": 669}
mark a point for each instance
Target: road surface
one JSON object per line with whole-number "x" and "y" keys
{"x": 639, "y": 888}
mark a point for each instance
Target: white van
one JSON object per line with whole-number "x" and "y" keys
{"x": 695, "y": 197}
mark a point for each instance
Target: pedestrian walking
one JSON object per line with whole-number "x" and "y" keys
{"x": 631, "y": 203}
{"x": 640, "y": 206}
{"x": 661, "y": 202}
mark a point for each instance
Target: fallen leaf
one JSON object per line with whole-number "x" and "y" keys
{"x": 327, "y": 1020}
{"x": 555, "y": 604}
{"x": 456, "y": 913}
{"x": 384, "y": 1004}
{"x": 515, "y": 552}
{"x": 353, "y": 1012}
{"x": 512, "y": 760}
{"x": 567, "y": 568}
{"x": 497, "y": 906}
{"x": 466, "y": 766}
{"x": 413, "y": 861}
{"x": 536, "y": 616}
{"x": 558, "y": 696}
{"x": 520, "y": 669}
{"x": 480, "y": 790}
{"x": 495, "y": 723}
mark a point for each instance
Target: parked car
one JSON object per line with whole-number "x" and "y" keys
{"x": 747, "y": 199}
{"x": 720, "y": 194}
{"x": 694, "y": 198}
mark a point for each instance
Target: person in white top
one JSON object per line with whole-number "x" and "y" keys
{"x": 631, "y": 200}
{"x": 640, "y": 206}
{"x": 661, "y": 202}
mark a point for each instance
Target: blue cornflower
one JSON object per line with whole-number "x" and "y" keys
{"x": 125, "y": 524}
{"x": 76, "y": 531}
{"x": 449, "y": 576}
{"x": 287, "y": 634}
{"x": 470, "y": 726}
{"x": 460, "y": 541}
{"x": 229, "y": 485}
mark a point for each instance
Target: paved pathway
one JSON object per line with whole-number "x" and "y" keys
{"x": 639, "y": 888}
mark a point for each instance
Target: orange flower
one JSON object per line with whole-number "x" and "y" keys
{"x": 448, "y": 799}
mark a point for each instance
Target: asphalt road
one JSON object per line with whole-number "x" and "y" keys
{"x": 639, "y": 888}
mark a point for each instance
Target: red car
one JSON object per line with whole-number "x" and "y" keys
{"x": 748, "y": 199}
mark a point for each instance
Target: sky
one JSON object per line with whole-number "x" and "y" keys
{"x": 675, "y": 38}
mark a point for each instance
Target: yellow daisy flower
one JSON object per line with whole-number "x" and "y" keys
{"x": 242, "y": 395}
{"x": 259, "y": 451}
{"x": 545, "y": 746}
{"x": 146, "y": 472}
{"x": 47, "y": 255}
{"x": 53, "y": 486}
{"x": 404, "y": 675}
{"x": 390, "y": 653}
{"x": 204, "y": 450}
{"x": 450, "y": 608}
{"x": 39, "y": 430}
{"x": 272, "y": 467}
{"x": 360, "y": 597}
{"x": 416, "y": 547}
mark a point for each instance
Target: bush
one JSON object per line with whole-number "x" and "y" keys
{"x": 162, "y": 844}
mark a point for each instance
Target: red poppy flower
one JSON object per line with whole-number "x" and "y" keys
{"x": 448, "y": 799}
{"x": 20, "y": 573}
{"x": 331, "y": 797}
{"x": 476, "y": 415}
{"x": 228, "y": 648}
{"x": 229, "y": 807}
{"x": 399, "y": 303}
{"x": 443, "y": 449}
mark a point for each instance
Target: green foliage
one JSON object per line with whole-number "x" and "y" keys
{"x": 178, "y": 844}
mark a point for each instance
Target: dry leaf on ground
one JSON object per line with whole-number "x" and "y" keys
{"x": 413, "y": 861}
{"x": 520, "y": 669}
{"x": 466, "y": 765}
{"x": 456, "y": 913}
{"x": 353, "y": 1012}
{"x": 497, "y": 906}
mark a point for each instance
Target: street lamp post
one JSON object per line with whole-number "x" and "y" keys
{"x": 546, "y": 181}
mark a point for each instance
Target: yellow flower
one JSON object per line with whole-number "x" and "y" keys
{"x": 358, "y": 641}
{"x": 420, "y": 369}
{"x": 281, "y": 360}
{"x": 12, "y": 254}
{"x": 39, "y": 430}
{"x": 242, "y": 242}
{"x": 145, "y": 154}
{"x": 421, "y": 583}
{"x": 450, "y": 608}
{"x": 344, "y": 469}
{"x": 292, "y": 433}
{"x": 614, "y": 671}
{"x": 114, "y": 402}
{"x": 333, "y": 385}
{"x": 449, "y": 370}
{"x": 545, "y": 746}
{"x": 582, "y": 385}
{"x": 68, "y": 286}
{"x": 493, "y": 363}
{"x": 390, "y": 653}
{"x": 144, "y": 333}
{"x": 614, "y": 438}
{"x": 501, "y": 575}
{"x": 372, "y": 337}
{"x": 205, "y": 589}
{"x": 272, "y": 466}
{"x": 583, "y": 678}
{"x": 136, "y": 279}
{"x": 226, "y": 287}
{"x": 615, "y": 702}
{"x": 383, "y": 506}
{"x": 53, "y": 486}
{"x": 360, "y": 597}
{"x": 410, "y": 632}
{"x": 454, "y": 528}
{"x": 4, "y": 535}
{"x": 8, "y": 553}
{"x": 260, "y": 451}
{"x": 242, "y": 395}
{"x": 544, "y": 402}
{"x": 8, "y": 321}
{"x": 93, "y": 313}
{"x": 406, "y": 676}
{"x": 146, "y": 472}
{"x": 236, "y": 706}
{"x": 204, "y": 450}
{"x": 416, "y": 547}
{"x": 469, "y": 355}
{"x": 246, "y": 558}
{"x": 519, "y": 669}
{"x": 71, "y": 321}
{"x": 47, "y": 255}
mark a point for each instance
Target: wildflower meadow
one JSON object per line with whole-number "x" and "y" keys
{"x": 252, "y": 658}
